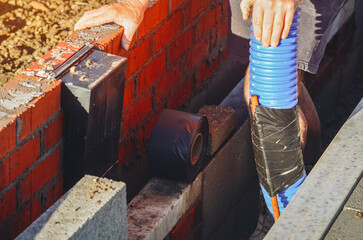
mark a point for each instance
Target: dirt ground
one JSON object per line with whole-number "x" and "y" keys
{"x": 29, "y": 29}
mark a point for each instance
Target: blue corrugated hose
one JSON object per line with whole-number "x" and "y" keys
{"x": 273, "y": 78}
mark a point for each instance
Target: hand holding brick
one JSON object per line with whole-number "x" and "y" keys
{"x": 128, "y": 13}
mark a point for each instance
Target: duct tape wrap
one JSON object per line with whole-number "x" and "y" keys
{"x": 276, "y": 143}
{"x": 177, "y": 146}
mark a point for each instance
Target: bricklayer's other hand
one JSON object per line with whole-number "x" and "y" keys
{"x": 127, "y": 13}
{"x": 271, "y": 19}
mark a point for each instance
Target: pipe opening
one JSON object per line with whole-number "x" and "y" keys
{"x": 196, "y": 149}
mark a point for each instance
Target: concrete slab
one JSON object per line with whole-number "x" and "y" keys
{"x": 159, "y": 206}
{"x": 227, "y": 176}
{"x": 222, "y": 121}
{"x": 95, "y": 208}
{"x": 355, "y": 200}
{"x": 325, "y": 191}
{"x": 346, "y": 226}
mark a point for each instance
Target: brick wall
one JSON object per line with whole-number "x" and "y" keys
{"x": 30, "y": 154}
{"x": 176, "y": 49}
{"x": 178, "y": 46}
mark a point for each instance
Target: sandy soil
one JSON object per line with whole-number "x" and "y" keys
{"x": 29, "y": 29}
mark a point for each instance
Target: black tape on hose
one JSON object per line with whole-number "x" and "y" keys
{"x": 177, "y": 146}
{"x": 276, "y": 143}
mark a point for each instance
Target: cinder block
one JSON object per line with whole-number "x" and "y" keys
{"x": 240, "y": 221}
{"x": 160, "y": 205}
{"x": 227, "y": 176}
{"x": 222, "y": 120}
{"x": 95, "y": 208}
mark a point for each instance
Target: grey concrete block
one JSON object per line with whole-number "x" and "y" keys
{"x": 227, "y": 177}
{"x": 240, "y": 221}
{"x": 159, "y": 206}
{"x": 222, "y": 120}
{"x": 346, "y": 226}
{"x": 95, "y": 208}
{"x": 355, "y": 200}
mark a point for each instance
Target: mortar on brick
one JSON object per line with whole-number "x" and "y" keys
{"x": 95, "y": 208}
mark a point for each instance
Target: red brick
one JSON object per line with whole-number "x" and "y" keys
{"x": 129, "y": 92}
{"x": 24, "y": 157}
{"x": 7, "y": 205}
{"x": 198, "y": 53}
{"x": 167, "y": 82}
{"x": 41, "y": 109}
{"x": 125, "y": 122}
{"x": 194, "y": 8}
{"x": 137, "y": 111}
{"x": 141, "y": 108}
{"x": 174, "y": 4}
{"x": 110, "y": 41}
{"x": 124, "y": 152}
{"x": 144, "y": 132}
{"x": 4, "y": 232}
{"x": 139, "y": 55}
{"x": 36, "y": 209}
{"x": 222, "y": 29}
{"x": 54, "y": 191}
{"x": 206, "y": 22}
{"x": 46, "y": 105}
{"x": 25, "y": 188}
{"x": 147, "y": 127}
{"x": 7, "y": 137}
{"x": 206, "y": 70}
{"x": 45, "y": 171}
{"x": 50, "y": 196}
{"x": 182, "y": 44}
{"x": 4, "y": 174}
{"x": 24, "y": 112}
{"x": 151, "y": 72}
{"x": 59, "y": 187}
{"x": 153, "y": 16}
{"x": 224, "y": 9}
{"x": 163, "y": 87}
{"x": 225, "y": 53}
{"x": 219, "y": 13}
{"x": 214, "y": 37}
{"x": 25, "y": 117}
{"x": 182, "y": 93}
{"x": 20, "y": 222}
{"x": 63, "y": 51}
{"x": 53, "y": 133}
{"x": 168, "y": 31}
{"x": 188, "y": 224}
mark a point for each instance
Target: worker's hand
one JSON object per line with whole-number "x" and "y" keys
{"x": 128, "y": 13}
{"x": 271, "y": 19}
